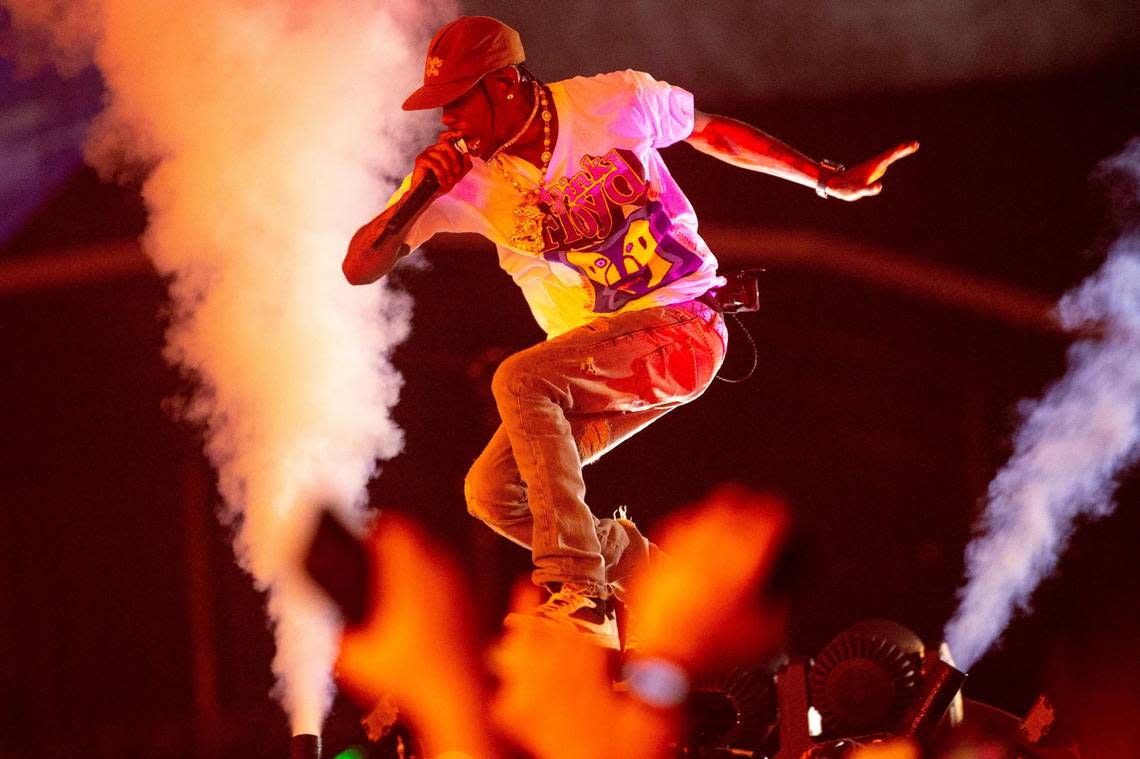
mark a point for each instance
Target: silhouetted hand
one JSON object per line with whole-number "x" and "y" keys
{"x": 556, "y": 700}
{"x": 703, "y": 603}
{"x": 417, "y": 645}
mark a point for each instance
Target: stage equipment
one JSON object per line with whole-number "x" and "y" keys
{"x": 939, "y": 687}
{"x": 863, "y": 680}
{"x": 305, "y": 746}
{"x": 741, "y": 293}
{"x": 731, "y": 712}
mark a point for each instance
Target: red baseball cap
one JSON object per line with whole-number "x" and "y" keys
{"x": 460, "y": 54}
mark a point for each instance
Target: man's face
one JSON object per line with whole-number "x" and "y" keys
{"x": 471, "y": 114}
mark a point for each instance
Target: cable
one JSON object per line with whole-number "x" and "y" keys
{"x": 755, "y": 354}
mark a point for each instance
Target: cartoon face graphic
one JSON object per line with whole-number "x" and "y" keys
{"x": 595, "y": 266}
{"x": 633, "y": 261}
{"x": 639, "y": 250}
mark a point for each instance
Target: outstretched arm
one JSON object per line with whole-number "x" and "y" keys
{"x": 746, "y": 146}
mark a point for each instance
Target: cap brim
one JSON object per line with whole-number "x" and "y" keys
{"x": 437, "y": 95}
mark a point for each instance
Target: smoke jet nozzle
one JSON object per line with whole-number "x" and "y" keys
{"x": 934, "y": 697}
{"x": 305, "y": 746}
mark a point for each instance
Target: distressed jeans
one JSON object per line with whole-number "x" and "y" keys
{"x": 563, "y": 404}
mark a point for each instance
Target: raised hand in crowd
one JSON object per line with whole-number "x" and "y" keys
{"x": 417, "y": 646}
{"x": 705, "y": 604}
{"x": 556, "y": 698}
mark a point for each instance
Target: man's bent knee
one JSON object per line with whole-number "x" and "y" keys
{"x": 489, "y": 497}
{"x": 473, "y": 485}
{"x": 508, "y": 376}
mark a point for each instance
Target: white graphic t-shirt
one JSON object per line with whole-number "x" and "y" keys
{"x": 617, "y": 232}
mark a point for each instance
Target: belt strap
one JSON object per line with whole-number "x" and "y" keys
{"x": 709, "y": 299}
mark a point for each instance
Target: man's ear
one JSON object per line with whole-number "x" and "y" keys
{"x": 509, "y": 76}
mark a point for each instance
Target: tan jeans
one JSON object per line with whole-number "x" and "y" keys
{"x": 563, "y": 404}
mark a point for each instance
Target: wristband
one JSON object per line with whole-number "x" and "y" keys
{"x": 656, "y": 682}
{"x": 828, "y": 169}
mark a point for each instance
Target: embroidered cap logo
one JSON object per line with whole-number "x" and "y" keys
{"x": 459, "y": 55}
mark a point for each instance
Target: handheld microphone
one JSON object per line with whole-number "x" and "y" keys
{"x": 418, "y": 197}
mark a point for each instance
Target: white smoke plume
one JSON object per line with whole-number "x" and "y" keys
{"x": 268, "y": 132}
{"x": 1073, "y": 444}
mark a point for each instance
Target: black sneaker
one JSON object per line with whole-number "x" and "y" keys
{"x": 592, "y": 616}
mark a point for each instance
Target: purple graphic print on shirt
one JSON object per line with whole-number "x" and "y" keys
{"x": 601, "y": 223}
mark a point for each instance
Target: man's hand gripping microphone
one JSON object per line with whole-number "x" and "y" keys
{"x": 423, "y": 192}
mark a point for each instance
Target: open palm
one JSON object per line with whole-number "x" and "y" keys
{"x": 862, "y": 180}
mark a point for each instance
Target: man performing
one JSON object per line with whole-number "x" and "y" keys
{"x": 566, "y": 180}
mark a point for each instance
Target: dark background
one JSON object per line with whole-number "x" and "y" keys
{"x": 880, "y": 414}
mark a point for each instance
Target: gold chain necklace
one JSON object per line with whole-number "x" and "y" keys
{"x": 518, "y": 134}
{"x": 528, "y": 218}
